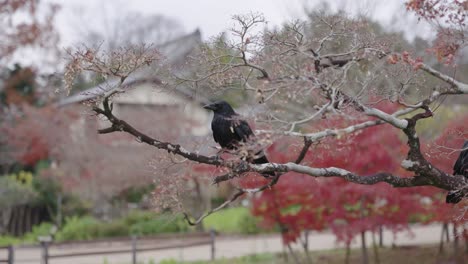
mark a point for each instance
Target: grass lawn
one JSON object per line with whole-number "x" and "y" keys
{"x": 236, "y": 220}
{"x": 400, "y": 255}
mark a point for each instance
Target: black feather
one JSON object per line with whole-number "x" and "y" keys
{"x": 460, "y": 168}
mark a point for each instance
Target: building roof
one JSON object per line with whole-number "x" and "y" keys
{"x": 175, "y": 52}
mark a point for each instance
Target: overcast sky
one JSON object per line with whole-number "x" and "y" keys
{"x": 214, "y": 16}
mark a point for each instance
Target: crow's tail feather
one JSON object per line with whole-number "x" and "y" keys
{"x": 261, "y": 159}
{"x": 454, "y": 197}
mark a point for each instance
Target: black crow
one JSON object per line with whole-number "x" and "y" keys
{"x": 231, "y": 131}
{"x": 460, "y": 168}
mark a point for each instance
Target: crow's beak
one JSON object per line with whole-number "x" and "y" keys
{"x": 209, "y": 107}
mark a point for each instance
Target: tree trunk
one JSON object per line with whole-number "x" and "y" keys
{"x": 306, "y": 240}
{"x": 456, "y": 251}
{"x": 21, "y": 220}
{"x": 305, "y": 245}
{"x": 348, "y": 253}
{"x": 5, "y": 216}
{"x": 441, "y": 244}
{"x": 27, "y": 218}
{"x": 465, "y": 236}
{"x": 365, "y": 255}
{"x": 447, "y": 236}
{"x": 36, "y": 215}
{"x": 284, "y": 253}
{"x": 294, "y": 256}
{"x": 380, "y": 236}
{"x": 376, "y": 249}
{"x": 13, "y": 223}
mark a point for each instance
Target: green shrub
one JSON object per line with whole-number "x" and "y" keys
{"x": 8, "y": 240}
{"x": 31, "y": 237}
{"x": 134, "y": 217}
{"x": 137, "y": 222}
{"x": 44, "y": 229}
{"x": 159, "y": 224}
{"x": 113, "y": 229}
{"x": 79, "y": 228}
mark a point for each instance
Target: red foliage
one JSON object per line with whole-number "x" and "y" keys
{"x": 442, "y": 153}
{"x": 30, "y": 137}
{"x": 444, "y": 150}
{"x": 35, "y": 151}
{"x": 405, "y": 57}
{"x": 300, "y": 202}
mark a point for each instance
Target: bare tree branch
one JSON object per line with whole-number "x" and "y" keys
{"x": 338, "y": 131}
{"x": 198, "y": 220}
{"x": 460, "y": 87}
{"x": 119, "y": 125}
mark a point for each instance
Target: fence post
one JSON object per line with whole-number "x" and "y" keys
{"x": 212, "y": 236}
{"x": 134, "y": 249}
{"x": 11, "y": 254}
{"x": 45, "y": 252}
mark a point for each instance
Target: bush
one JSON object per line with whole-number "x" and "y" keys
{"x": 31, "y": 237}
{"x": 79, "y": 228}
{"x": 44, "y": 229}
{"x": 136, "y": 216}
{"x": 113, "y": 229}
{"x": 137, "y": 222}
{"x": 8, "y": 240}
{"x": 159, "y": 224}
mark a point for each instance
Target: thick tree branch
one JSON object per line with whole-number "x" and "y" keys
{"x": 459, "y": 86}
{"x": 305, "y": 148}
{"x": 421, "y": 178}
{"x": 393, "y": 180}
{"x": 314, "y": 137}
{"x": 119, "y": 125}
{"x": 394, "y": 121}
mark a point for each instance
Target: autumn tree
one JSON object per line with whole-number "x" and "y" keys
{"x": 347, "y": 209}
{"x": 25, "y": 25}
{"x": 27, "y": 28}
{"x": 299, "y": 76}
